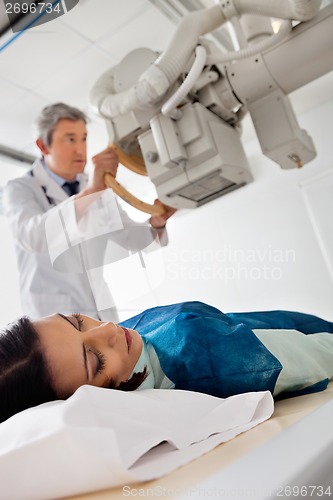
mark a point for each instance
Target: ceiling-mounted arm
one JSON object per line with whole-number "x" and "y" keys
{"x": 297, "y": 10}
{"x": 263, "y": 81}
{"x": 154, "y": 83}
{"x": 157, "y": 79}
{"x": 196, "y": 155}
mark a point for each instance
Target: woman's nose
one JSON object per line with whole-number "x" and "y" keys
{"x": 104, "y": 333}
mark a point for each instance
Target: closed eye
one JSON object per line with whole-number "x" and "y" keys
{"x": 99, "y": 356}
{"x": 77, "y": 326}
{"x": 101, "y": 361}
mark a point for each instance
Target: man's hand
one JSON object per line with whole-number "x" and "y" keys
{"x": 159, "y": 221}
{"x": 105, "y": 162}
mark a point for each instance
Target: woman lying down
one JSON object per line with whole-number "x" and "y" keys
{"x": 190, "y": 346}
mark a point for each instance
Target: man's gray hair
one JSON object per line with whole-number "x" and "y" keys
{"x": 51, "y": 115}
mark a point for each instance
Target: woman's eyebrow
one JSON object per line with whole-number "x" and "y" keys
{"x": 85, "y": 361}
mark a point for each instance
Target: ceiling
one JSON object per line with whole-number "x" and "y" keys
{"x": 60, "y": 61}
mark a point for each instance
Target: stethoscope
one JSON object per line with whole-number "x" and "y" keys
{"x": 50, "y": 200}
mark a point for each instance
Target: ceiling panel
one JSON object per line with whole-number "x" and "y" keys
{"x": 99, "y": 18}
{"x": 17, "y": 121}
{"x": 75, "y": 77}
{"x": 149, "y": 29}
{"x": 39, "y": 52}
{"x": 9, "y": 94}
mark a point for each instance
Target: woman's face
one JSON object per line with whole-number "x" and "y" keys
{"x": 80, "y": 350}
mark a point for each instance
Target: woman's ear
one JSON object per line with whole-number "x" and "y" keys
{"x": 42, "y": 146}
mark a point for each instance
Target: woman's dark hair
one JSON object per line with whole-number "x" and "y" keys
{"x": 134, "y": 382}
{"x": 24, "y": 377}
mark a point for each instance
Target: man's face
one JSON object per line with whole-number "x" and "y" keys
{"x": 67, "y": 154}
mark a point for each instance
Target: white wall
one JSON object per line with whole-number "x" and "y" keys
{"x": 255, "y": 248}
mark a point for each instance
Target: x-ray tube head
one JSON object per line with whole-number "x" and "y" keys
{"x": 195, "y": 159}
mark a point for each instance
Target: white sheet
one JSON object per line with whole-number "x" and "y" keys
{"x": 100, "y": 438}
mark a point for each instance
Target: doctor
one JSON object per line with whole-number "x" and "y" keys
{"x": 28, "y": 200}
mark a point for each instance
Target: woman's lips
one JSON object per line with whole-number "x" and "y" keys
{"x": 128, "y": 338}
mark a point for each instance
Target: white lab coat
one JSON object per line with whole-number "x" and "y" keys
{"x": 28, "y": 202}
